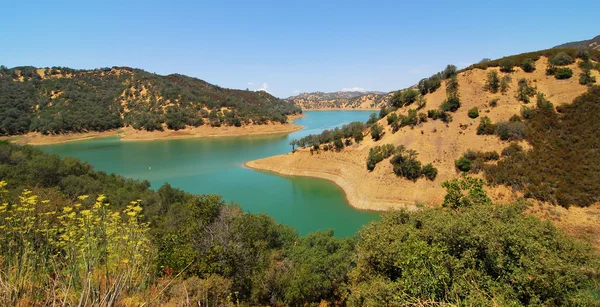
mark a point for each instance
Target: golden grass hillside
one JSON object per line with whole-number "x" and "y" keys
{"x": 435, "y": 141}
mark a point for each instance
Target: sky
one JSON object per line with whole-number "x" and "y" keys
{"x": 287, "y": 47}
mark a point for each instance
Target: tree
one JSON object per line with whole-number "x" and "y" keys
{"x": 376, "y": 132}
{"x": 449, "y": 71}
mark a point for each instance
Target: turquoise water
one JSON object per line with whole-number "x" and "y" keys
{"x": 215, "y": 165}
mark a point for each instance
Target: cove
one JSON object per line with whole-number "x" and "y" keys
{"x": 216, "y": 166}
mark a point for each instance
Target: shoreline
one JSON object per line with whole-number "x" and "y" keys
{"x": 128, "y": 134}
{"x": 351, "y": 193}
{"x": 339, "y": 109}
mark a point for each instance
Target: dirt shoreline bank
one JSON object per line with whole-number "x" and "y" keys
{"x": 356, "y": 199}
{"x": 129, "y": 134}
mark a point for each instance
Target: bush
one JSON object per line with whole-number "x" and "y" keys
{"x": 492, "y": 84}
{"x": 463, "y": 164}
{"x": 526, "y": 112}
{"x": 376, "y": 132}
{"x": 406, "y": 165}
{"x": 429, "y": 171}
{"x": 506, "y": 65}
{"x": 585, "y": 78}
{"x": 562, "y": 59}
{"x": 510, "y": 131}
{"x": 485, "y": 126}
{"x": 404, "y": 98}
{"x": 563, "y": 73}
{"x": 524, "y": 91}
{"x": 494, "y": 102}
{"x": 550, "y": 70}
{"x": 528, "y": 65}
{"x": 473, "y": 113}
{"x": 451, "y": 104}
{"x": 543, "y": 103}
{"x": 339, "y": 145}
{"x": 378, "y": 153}
{"x": 505, "y": 83}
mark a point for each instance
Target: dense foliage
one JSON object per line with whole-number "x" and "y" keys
{"x": 59, "y": 100}
{"x": 404, "y": 162}
{"x": 58, "y": 248}
{"x": 474, "y": 255}
{"x": 352, "y": 130}
{"x": 567, "y": 143}
{"x": 549, "y": 53}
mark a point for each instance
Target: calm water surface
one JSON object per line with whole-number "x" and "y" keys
{"x": 215, "y": 165}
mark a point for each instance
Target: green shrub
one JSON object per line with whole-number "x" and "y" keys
{"x": 392, "y": 118}
{"x": 550, "y": 70}
{"x": 474, "y": 112}
{"x": 406, "y": 165}
{"x": 463, "y": 164}
{"x": 543, "y": 103}
{"x": 485, "y": 126}
{"x": 429, "y": 171}
{"x": 585, "y": 78}
{"x": 506, "y": 65}
{"x": 528, "y": 65}
{"x": 404, "y": 98}
{"x": 563, "y": 73}
{"x": 494, "y": 102}
{"x": 451, "y": 104}
{"x": 526, "y": 112}
{"x": 376, "y": 132}
{"x": 491, "y": 156}
{"x": 525, "y": 91}
{"x": 505, "y": 83}
{"x": 492, "y": 83}
{"x": 562, "y": 59}
{"x": 510, "y": 131}
{"x": 378, "y": 153}
{"x": 339, "y": 145}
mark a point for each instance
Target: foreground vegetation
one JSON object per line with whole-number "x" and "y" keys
{"x": 168, "y": 246}
{"x": 60, "y": 100}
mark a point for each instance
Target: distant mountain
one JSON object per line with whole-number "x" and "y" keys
{"x": 60, "y": 100}
{"x": 340, "y": 100}
{"x": 593, "y": 43}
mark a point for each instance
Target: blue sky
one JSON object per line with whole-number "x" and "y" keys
{"x": 287, "y": 46}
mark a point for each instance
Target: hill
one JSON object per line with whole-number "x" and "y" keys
{"x": 61, "y": 100}
{"x": 446, "y": 125}
{"x": 593, "y": 43}
{"x": 340, "y": 100}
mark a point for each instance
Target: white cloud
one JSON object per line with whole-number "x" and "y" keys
{"x": 296, "y": 91}
{"x": 353, "y": 89}
{"x": 250, "y": 83}
{"x": 264, "y": 88}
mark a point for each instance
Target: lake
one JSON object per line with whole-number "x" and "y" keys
{"x": 216, "y": 166}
